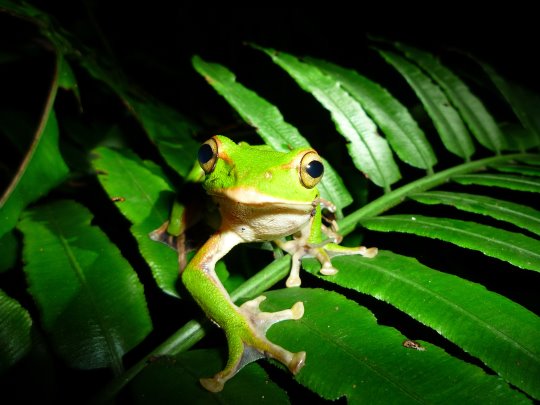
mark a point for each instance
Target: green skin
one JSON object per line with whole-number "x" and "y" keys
{"x": 262, "y": 195}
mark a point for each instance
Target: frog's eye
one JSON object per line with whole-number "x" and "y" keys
{"x": 208, "y": 155}
{"x": 311, "y": 169}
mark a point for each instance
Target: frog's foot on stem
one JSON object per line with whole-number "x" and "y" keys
{"x": 247, "y": 342}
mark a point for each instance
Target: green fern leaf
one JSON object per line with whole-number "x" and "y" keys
{"x": 515, "y": 248}
{"x": 484, "y": 324}
{"x": 144, "y": 197}
{"x": 15, "y": 323}
{"x": 478, "y": 119}
{"x": 98, "y": 311}
{"x": 368, "y": 150}
{"x": 446, "y": 119}
{"x": 519, "y": 169}
{"x": 511, "y": 182}
{"x": 401, "y": 130}
{"x": 174, "y": 379}
{"x": 350, "y": 355}
{"x": 517, "y": 214}
{"x": 42, "y": 169}
{"x": 524, "y": 102}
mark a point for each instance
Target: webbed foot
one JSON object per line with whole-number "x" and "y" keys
{"x": 247, "y": 341}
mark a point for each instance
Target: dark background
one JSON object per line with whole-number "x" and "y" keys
{"x": 153, "y": 42}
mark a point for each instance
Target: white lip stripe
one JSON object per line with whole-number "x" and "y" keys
{"x": 251, "y": 196}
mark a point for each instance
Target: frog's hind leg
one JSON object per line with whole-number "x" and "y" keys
{"x": 247, "y": 342}
{"x": 234, "y": 364}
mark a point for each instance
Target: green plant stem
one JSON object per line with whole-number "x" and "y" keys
{"x": 393, "y": 198}
{"x": 193, "y": 331}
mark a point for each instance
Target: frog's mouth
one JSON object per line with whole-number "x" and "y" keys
{"x": 251, "y": 197}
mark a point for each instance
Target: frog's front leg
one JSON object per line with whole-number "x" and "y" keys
{"x": 316, "y": 240}
{"x": 324, "y": 254}
{"x": 245, "y": 326}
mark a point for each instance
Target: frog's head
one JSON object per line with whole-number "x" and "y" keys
{"x": 258, "y": 175}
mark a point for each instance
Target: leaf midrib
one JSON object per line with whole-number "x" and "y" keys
{"x": 495, "y": 331}
{"x": 115, "y": 358}
{"x": 498, "y": 177}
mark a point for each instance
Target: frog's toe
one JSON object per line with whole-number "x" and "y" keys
{"x": 322, "y": 254}
{"x": 293, "y": 361}
{"x": 328, "y": 270}
{"x": 370, "y": 252}
{"x": 293, "y": 281}
{"x": 297, "y": 362}
{"x": 214, "y": 384}
{"x": 252, "y": 306}
{"x": 297, "y": 310}
{"x": 263, "y": 320}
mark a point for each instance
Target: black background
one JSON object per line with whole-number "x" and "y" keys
{"x": 153, "y": 43}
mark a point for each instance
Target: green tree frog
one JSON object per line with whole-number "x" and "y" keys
{"x": 262, "y": 195}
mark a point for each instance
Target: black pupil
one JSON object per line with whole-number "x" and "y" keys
{"x": 205, "y": 153}
{"x": 315, "y": 169}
